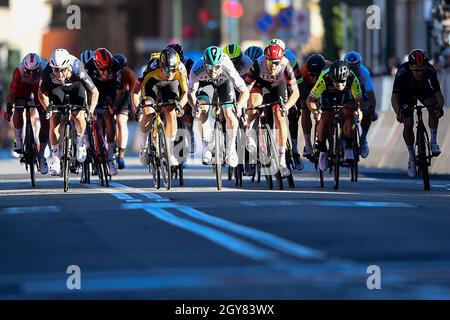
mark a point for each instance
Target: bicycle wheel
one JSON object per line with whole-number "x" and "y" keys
{"x": 290, "y": 165}
{"x": 180, "y": 174}
{"x": 218, "y": 146}
{"x": 66, "y": 156}
{"x": 164, "y": 164}
{"x": 103, "y": 165}
{"x": 337, "y": 155}
{"x": 238, "y": 174}
{"x": 422, "y": 162}
{"x": 354, "y": 165}
{"x": 264, "y": 160}
{"x": 272, "y": 147}
{"x": 30, "y": 152}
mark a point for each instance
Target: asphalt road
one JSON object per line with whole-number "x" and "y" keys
{"x": 132, "y": 241}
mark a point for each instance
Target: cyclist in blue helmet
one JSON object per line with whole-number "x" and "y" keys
{"x": 86, "y": 56}
{"x": 354, "y": 62}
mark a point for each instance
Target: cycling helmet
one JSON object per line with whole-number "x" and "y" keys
{"x": 103, "y": 58}
{"x": 86, "y": 56}
{"x": 233, "y": 51}
{"x": 254, "y": 52}
{"x": 290, "y": 55}
{"x": 169, "y": 58}
{"x": 276, "y": 41}
{"x": 123, "y": 61}
{"x": 274, "y": 52}
{"x": 179, "y": 49}
{"x": 60, "y": 59}
{"x": 339, "y": 71}
{"x": 353, "y": 59}
{"x": 315, "y": 63}
{"x": 31, "y": 61}
{"x": 213, "y": 55}
{"x": 418, "y": 57}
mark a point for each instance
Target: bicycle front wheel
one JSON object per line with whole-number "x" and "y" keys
{"x": 337, "y": 155}
{"x": 66, "y": 156}
{"x": 423, "y": 159}
{"x": 218, "y": 145}
{"x": 30, "y": 152}
{"x": 166, "y": 173}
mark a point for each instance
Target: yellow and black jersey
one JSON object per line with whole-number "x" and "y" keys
{"x": 154, "y": 73}
{"x": 325, "y": 84}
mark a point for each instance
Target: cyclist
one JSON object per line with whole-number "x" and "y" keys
{"x": 24, "y": 85}
{"x": 123, "y": 109}
{"x": 337, "y": 85}
{"x": 254, "y": 52}
{"x": 65, "y": 75}
{"x": 216, "y": 73}
{"x": 241, "y": 62}
{"x": 86, "y": 56}
{"x": 294, "y": 114}
{"x": 107, "y": 74}
{"x": 185, "y": 68}
{"x": 269, "y": 79}
{"x": 415, "y": 80}
{"x": 307, "y": 78}
{"x": 354, "y": 62}
{"x": 162, "y": 79}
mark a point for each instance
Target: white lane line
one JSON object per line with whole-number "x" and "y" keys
{"x": 262, "y": 237}
{"x": 118, "y": 195}
{"x": 231, "y": 243}
{"x": 127, "y": 189}
{"x": 27, "y": 210}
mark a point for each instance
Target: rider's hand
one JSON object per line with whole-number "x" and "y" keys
{"x": 317, "y": 114}
{"x": 9, "y": 112}
{"x": 400, "y": 117}
{"x": 359, "y": 114}
{"x": 138, "y": 115}
{"x": 48, "y": 112}
{"x": 196, "y": 111}
{"x": 178, "y": 109}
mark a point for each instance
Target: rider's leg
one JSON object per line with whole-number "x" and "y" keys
{"x": 293, "y": 118}
{"x": 323, "y": 129}
{"x": 306, "y": 126}
{"x": 122, "y": 133}
{"x": 18, "y": 122}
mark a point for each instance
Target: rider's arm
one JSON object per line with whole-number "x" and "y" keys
{"x": 316, "y": 92}
{"x": 43, "y": 98}
{"x": 93, "y": 99}
{"x": 395, "y": 99}
{"x": 184, "y": 89}
{"x": 368, "y": 85}
{"x": 135, "y": 95}
{"x": 291, "y": 82}
{"x": 14, "y": 86}
{"x": 193, "y": 85}
{"x": 434, "y": 81}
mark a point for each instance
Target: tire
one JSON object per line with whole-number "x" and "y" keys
{"x": 423, "y": 159}
{"x": 322, "y": 184}
{"x": 290, "y": 165}
{"x": 181, "y": 175}
{"x": 30, "y": 152}
{"x": 66, "y": 156}
{"x": 238, "y": 174}
{"x": 164, "y": 164}
{"x": 337, "y": 155}
{"x": 102, "y": 166}
{"x": 272, "y": 146}
{"x": 218, "y": 145}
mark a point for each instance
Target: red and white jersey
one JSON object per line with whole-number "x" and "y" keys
{"x": 21, "y": 84}
{"x": 260, "y": 71}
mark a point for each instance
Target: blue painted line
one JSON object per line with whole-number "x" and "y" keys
{"x": 269, "y": 203}
{"x": 265, "y": 238}
{"x": 366, "y": 204}
{"x": 134, "y": 200}
{"x": 238, "y": 246}
{"x": 27, "y": 210}
{"x": 148, "y": 195}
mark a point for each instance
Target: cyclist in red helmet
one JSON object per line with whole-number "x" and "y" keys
{"x": 107, "y": 74}
{"x": 270, "y": 77}
{"x": 415, "y": 80}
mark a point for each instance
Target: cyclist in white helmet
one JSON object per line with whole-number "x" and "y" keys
{"x": 65, "y": 76}
{"x": 24, "y": 84}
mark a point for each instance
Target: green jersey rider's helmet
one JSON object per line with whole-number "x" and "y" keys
{"x": 213, "y": 56}
{"x": 234, "y": 51}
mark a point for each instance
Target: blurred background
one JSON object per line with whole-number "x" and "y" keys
{"x": 382, "y": 31}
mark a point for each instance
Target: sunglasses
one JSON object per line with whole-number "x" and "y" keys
{"x": 273, "y": 62}
{"x": 418, "y": 70}
{"x": 210, "y": 67}
{"x": 340, "y": 81}
{"x": 170, "y": 70}
{"x": 313, "y": 75}
{"x": 58, "y": 70}
{"x": 31, "y": 71}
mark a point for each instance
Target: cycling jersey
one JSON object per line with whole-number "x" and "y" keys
{"x": 78, "y": 74}
{"x": 199, "y": 76}
{"x": 325, "y": 85}
{"x": 155, "y": 74}
{"x": 153, "y": 63}
{"x": 245, "y": 66}
{"x": 261, "y": 72}
{"x": 114, "y": 75}
{"x": 406, "y": 84}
